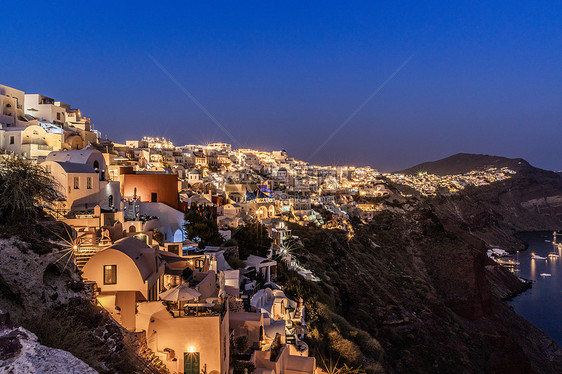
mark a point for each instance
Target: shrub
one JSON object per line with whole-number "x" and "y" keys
{"x": 24, "y": 189}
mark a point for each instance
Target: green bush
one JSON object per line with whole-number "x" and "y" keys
{"x": 24, "y": 189}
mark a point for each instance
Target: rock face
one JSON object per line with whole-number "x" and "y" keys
{"x": 21, "y": 353}
{"x": 36, "y": 282}
{"x": 529, "y": 201}
{"x": 427, "y": 293}
{"x": 419, "y": 281}
{"x": 42, "y": 289}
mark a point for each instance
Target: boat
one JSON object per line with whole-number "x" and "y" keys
{"x": 537, "y": 257}
{"x": 545, "y": 275}
{"x": 554, "y": 255}
{"x": 507, "y": 262}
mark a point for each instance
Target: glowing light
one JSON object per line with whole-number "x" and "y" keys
{"x": 191, "y": 349}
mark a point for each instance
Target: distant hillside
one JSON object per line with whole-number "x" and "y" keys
{"x": 464, "y": 162}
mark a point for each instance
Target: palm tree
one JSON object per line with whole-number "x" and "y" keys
{"x": 24, "y": 189}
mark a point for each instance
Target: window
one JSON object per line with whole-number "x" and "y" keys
{"x": 154, "y": 197}
{"x": 76, "y": 183}
{"x": 175, "y": 248}
{"x": 12, "y": 139}
{"x": 89, "y": 183}
{"x": 58, "y": 116}
{"x": 110, "y": 274}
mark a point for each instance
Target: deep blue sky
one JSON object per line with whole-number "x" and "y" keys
{"x": 485, "y": 77}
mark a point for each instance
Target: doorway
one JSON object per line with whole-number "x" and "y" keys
{"x": 191, "y": 362}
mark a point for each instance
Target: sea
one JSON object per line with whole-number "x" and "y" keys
{"x": 542, "y": 303}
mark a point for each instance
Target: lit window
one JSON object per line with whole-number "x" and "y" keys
{"x": 89, "y": 183}
{"x": 76, "y": 183}
{"x": 110, "y": 274}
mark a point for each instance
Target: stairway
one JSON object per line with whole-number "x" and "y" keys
{"x": 83, "y": 255}
{"x": 154, "y": 363}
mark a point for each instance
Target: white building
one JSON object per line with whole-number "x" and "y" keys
{"x": 80, "y": 175}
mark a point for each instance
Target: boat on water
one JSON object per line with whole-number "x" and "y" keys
{"x": 545, "y": 275}
{"x": 507, "y": 262}
{"x": 537, "y": 257}
{"x": 553, "y": 255}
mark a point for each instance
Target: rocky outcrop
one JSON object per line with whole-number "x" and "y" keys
{"x": 427, "y": 292}
{"x": 42, "y": 289}
{"x": 20, "y": 352}
{"x": 34, "y": 283}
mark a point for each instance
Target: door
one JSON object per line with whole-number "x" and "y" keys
{"x": 191, "y": 362}
{"x": 154, "y": 197}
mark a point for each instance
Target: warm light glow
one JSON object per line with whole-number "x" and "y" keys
{"x": 191, "y": 349}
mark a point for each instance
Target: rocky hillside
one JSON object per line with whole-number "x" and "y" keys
{"x": 20, "y": 352}
{"x": 462, "y": 163}
{"x": 408, "y": 295}
{"x": 413, "y": 291}
{"x": 529, "y": 201}
{"x": 56, "y": 329}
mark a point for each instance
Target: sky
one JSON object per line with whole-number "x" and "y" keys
{"x": 478, "y": 77}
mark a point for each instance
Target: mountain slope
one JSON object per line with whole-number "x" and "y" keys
{"x": 425, "y": 293}
{"x": 461, "y": 163}
{"x": 418, "y": 281}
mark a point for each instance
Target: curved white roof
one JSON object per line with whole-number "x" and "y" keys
{"x": 78, "y": 156}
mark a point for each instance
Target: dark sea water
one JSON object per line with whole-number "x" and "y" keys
{"x": 542, "y": 303}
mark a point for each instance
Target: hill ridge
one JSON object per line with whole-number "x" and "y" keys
{"x": 461, "y": 163}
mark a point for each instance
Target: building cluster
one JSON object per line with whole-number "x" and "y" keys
{"x": 32, "y": 125}
{"x": 430, "y": 184}
{"x": 126, "y": 204}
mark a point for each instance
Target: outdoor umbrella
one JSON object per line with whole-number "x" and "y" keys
{"x": 180, "y": 293}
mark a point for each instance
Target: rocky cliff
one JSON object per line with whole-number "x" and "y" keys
{"x": 429, "y": 297}
{"x": 20, "y": 352}
{"x": 529, "y": 201}
{"x": 55, "y": 326}
{"x": 417, "y": 280}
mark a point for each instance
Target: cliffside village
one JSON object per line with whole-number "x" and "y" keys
{"x": 186, "y": 299}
